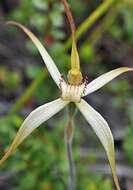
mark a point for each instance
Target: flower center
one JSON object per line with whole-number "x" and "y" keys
{"x": 70, "y": 92}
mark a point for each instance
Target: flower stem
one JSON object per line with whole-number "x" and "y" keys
{"x": 72, "y": 183}
{"x": 68, "y": 141}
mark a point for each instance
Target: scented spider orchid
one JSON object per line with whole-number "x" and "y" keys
{"x": 72, "y": 90}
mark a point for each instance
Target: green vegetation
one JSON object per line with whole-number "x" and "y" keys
{"x": 104, "y": 43}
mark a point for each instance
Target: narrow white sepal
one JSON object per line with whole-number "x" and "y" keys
{"x": 40, "y": 115}
{"x": 34, "y": 120}
{"x": 98, "y": 124}
{"x": 103, "y": 132}
{"x": 104, "y": 79}
{"x": 52, "y": 68}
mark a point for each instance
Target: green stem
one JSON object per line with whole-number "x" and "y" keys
{"x": 28, "y": 92}
{"x": 68, "y": 141}
{"x": 103, "y": 27}
{"x": 72, "y": 182}
{"x": 80, "y": 31}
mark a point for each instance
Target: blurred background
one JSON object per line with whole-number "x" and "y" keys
{"x": 41, "y": 162}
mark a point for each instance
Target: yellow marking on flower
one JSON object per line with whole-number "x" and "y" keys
{"x": 74, "y": 75}
{"x": 75, "y": 63}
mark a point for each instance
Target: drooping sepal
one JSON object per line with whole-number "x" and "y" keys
{"x": 103, "y": 132}
{"x": 34, "y": 120}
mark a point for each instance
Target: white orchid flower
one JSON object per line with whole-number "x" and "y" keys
{"x": 72, "y": 90}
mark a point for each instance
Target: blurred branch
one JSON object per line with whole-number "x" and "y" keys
{"x": 106, "y": 23}
{"x": 28, "y": 92}
{"x": 103, "y": 27}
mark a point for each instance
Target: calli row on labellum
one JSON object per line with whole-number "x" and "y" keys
{"x": 72, "y": 90}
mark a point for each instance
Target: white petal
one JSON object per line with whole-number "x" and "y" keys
{"x": 103, "y": 132}
{"x": 104, "y": 79}
{"x": 35, "y": 118}
{"x": 97, "y": 122}
{"x": 52, "y": 68}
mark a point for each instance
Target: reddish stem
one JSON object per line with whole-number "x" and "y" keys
{"x": 70, "y": 17}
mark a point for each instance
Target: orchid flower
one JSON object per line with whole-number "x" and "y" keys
{"x": 72, "y": 90}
